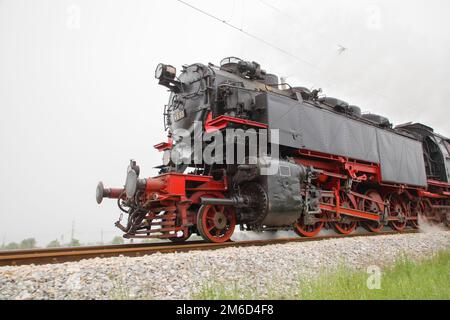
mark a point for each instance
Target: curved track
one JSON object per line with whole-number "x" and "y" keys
{"x": 61, "y": 255}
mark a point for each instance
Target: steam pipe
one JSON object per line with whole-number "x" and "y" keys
{"x": 235, "y": 201}
{"x": 154, "y": 185}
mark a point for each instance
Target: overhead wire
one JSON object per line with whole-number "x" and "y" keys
{"x": 251, "y": 35}
{"x": 358, "y": 86}
{"x": 278, "y": 48}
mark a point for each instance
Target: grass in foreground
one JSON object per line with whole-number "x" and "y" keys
{"x": 405, "y": 280}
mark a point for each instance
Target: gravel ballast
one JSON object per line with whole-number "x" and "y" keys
{"x": 180, "y": 275}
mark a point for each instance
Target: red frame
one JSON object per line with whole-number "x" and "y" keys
{"x": 334, "y": 169}
{"x": 170, "y": 191}
{"x": 171, "y": 187}
{"x": 223, "y": 122}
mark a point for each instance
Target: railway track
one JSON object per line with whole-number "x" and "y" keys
{"x": 61, "y": 255}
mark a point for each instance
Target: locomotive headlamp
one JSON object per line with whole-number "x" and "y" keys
{"x": 166, "y": 75}
{"x": 159, "y": 71}
{"x": 164, "y": 71}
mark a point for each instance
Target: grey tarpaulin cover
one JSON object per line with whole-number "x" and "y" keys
{"x": 305, "y": 126}
{"x": 401, "y": 159}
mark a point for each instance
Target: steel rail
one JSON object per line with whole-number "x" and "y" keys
{"x": 83, "y": 248}
{"x": 61, "y": 255}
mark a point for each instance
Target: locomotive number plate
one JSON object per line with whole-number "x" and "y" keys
{"x": 178, "y": 115}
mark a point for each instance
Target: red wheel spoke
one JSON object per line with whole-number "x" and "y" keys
{"x": 398, "y": 210}
{"x": 216, "y": 223}
{"x": 308, "y": 230}
{"x": 372, "y": 206}
{"x": 346, "y": 227}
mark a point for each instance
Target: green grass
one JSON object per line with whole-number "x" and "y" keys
{"x": 406, "y": 279}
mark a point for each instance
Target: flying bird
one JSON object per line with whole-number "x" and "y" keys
{"x": 341, "y": 49}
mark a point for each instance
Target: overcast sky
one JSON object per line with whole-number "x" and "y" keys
{"x": 78, "y": 96}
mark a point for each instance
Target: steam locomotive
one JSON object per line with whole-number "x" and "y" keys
{"x": 324, "y": 164}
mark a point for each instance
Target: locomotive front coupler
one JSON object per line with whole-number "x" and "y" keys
{"x": 133, "y": 185}
{"x": 111, "y": 193}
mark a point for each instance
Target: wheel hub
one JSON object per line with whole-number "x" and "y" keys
{"x": 220, "y": 221}
{"x": 345, "y": 219}
{"x": 399, "y": 214}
